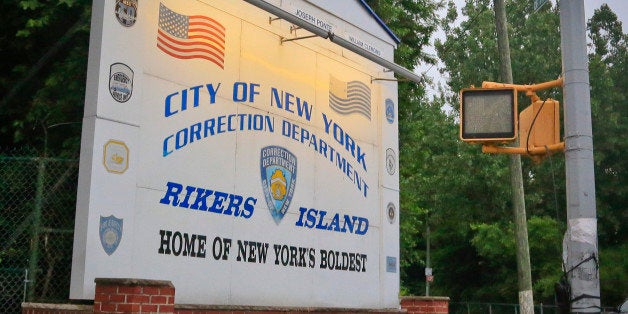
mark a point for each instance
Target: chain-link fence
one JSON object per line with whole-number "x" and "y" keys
{"x": 508, "y": 308}
{"x": 37, "y": 206}
{"x": 497, "y": 308}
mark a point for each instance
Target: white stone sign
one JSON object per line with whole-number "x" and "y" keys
{"x": 245, "y": 170}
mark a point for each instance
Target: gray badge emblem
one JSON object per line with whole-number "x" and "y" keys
{"x": 391, "y": 264}
{"x": 391, "y": 212}
{"x": 126, "y": 12}
{"x": 120, "y": 82}
{"x": 278, "y": 168}
{"x": 110, "y": 233}
{"x": 391, "y": 161}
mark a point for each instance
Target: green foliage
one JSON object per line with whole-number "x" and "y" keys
{"x": 462, "y": 194}
{"x": 613, "y": 266}
{"x": 495, "y": 243}
{"x": 545, "y": 238}
{"x": 42, "y": 76}
{"x": 608, "y": 65}
{"x": 609, "y": 86}
{"x": 413, "y": 22}
{"x": 469, "y": 53}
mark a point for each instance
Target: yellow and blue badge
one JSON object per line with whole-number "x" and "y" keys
{"x": 278, "y": 168}
{"x": 110, "y": 233}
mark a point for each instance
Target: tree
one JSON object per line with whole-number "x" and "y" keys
{"x": 470, "y": 57}
{"x": 43, "y": 73}
{"x": 495, "y": 243}
{"x": 438, "y": 179}
{"x": 608, "y": 62}
{"x": 462, "y": 193}
{"x": 413, "y": 22}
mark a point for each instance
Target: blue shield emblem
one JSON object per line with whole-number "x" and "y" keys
{"x": 390, "y": 110}
{"x": 279, "y": 177}
{"x": 110, "y": 233}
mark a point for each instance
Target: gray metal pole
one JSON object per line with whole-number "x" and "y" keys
{"x": 524, "y": 276}
{"x": 580, "y": 252}
{"x": 427, "y": 258}
{"x": 25, "y": 284}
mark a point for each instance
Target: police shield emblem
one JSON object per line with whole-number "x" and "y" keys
{"x": 279, "y": 177}
{"x": 110, "y": 233}
{"x": 120, "y": 82}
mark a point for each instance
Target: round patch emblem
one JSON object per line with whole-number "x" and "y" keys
{"x": 120, "y": 82}
{"x": 391, "y": 161}
{"x": 391, "y": 212}
{"x": 126, "y": 12}
{"x": 110, "y": 237}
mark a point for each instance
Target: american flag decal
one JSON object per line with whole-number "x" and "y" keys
{"x": 349, "y": 97}
{"x": 191, "y": 37}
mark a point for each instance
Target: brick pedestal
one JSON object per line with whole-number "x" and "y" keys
{"x": 423, "y": 305}
{"x": 133, "y": 296}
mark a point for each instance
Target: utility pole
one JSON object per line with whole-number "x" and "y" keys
{"x": 524, "y": 278}
{"x": 580, "y": 252}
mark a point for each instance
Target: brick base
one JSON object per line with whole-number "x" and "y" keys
{"x": 133, "y": 296}
{"x": 421, "y": 305}
{"x": 156, "y": 296}
{"x": 42, "y": 308}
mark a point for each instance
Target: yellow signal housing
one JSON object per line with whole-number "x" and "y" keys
{"x": 539, "y": 125}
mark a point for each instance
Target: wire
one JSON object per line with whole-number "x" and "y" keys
{"x": 532, "y": 125}
{"x": 553, "y": 181}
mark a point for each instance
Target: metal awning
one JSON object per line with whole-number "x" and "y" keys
{"x": 403, "y": 72}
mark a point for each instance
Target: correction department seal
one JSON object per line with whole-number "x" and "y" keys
{"x": 126, "y": 12}
{"x": 110, "y": 233}
{"x": 120, "y": 82}
{"x": 278, "y": 168}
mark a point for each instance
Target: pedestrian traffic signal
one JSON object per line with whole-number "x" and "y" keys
{"x": 488, "y": 115}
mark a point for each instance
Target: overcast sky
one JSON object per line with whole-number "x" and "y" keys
{"x": 620, "y": 7}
